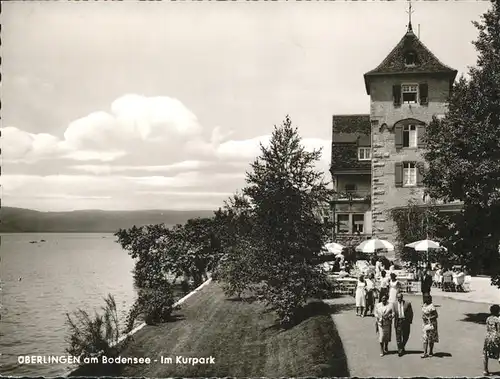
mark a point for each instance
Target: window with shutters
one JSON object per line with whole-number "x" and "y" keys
{"x": 364, "y": 153}
{"x": 423, "y": 92}
{"x": 342, "y": 223}
{"x": 409, "y": 93}
{"x": 410, "y": 136}
{"x": 409, "y": 174}
{"x": 396, "y": 95}
{"x": 358, "y": 222}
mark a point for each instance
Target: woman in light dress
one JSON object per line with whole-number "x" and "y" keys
{"x": 491, "y": 347}
{"x": 378, "y": 268}
{"x": 430, "y": 334}
{"x": 361, "y": 296}
{"x": 394, "y": 288}
{"x": 384, "y": 313}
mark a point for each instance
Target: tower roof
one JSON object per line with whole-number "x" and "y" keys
{"x": 410, "y": 56}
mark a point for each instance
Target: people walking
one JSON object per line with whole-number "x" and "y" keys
{"x": 384, "y": 313}
{"x": 403, "y": 317}
{"x": 361, "y": 296}
{"x": 491, "y": 347}
{"x": 384, "y": 285}
{"x": 430, "y": 334}
{"x": 394, "y": 288}
{"x": 370, "y": 294}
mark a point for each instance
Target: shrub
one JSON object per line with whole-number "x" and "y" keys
{"x": 236, "y": 270}
{"x": 155, "y": 305}
{"x": 94, "y": 336}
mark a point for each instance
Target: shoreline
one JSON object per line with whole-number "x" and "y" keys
{"x": 142, "y": 325}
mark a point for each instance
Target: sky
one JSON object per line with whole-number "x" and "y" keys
{"x": 162, "y": 105}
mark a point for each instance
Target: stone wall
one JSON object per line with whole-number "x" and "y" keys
{"x": 385, "y": 194}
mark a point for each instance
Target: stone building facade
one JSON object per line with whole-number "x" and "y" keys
{"x": 406, "y": 91}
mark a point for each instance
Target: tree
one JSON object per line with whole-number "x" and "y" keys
{"x": 162, "y": 256}
{"x": 237, "y": 268}
{"x": 463, "y": 149}
{"x": 285, "y": 192}
{"x": 415, "y": 223}
{"x": 191, "y": 249}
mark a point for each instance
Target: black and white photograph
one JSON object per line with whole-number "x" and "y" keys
{"x": 250, "y": 188}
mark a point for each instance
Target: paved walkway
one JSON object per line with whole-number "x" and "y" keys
{"x": 459, "y": 352}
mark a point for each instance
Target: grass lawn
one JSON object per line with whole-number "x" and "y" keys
{"x": 242, "y": 337}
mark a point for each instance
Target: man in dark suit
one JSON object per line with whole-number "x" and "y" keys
{"x": 403, "y": 317}
{"x": 426, "y": 282}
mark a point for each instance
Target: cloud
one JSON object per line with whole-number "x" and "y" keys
{"x": 133, "y": 120}
{"x": 145, "y": 152}
{"x": 186, "y": 190}
{"x": 18, "y": 145}
{"x": 246, "y": 150}
{"x": 109, "y": 169}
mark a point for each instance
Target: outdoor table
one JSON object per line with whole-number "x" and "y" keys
{"x": 346, "y": 285}
{"x": 412, "y": 286}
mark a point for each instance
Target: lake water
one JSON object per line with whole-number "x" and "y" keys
{"x": 40, "y": 282}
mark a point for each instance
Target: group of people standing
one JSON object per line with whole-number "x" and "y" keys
{"x": 370, "y": 291}
{"x": 382, "y": 298}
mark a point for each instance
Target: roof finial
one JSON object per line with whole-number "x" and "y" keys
{"x": 409, "y": 11}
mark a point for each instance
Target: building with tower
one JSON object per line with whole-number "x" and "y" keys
{"x": 377, "y": 161}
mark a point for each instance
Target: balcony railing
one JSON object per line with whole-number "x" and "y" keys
{"x": 354, "y": 195}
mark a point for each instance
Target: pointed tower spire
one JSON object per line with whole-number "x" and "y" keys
{"x": 409, "y": 11}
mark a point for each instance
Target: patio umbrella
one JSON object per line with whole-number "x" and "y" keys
{"x": 334, "y": 248}
{"x": 374, "y": 244}
{"x": 424, "y": 245}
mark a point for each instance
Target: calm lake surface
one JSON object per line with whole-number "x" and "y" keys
{"x": 42, "y": 281}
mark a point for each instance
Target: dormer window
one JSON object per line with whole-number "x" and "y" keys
{"x": 364, "y": 153}
{"x": 410, "y": 58}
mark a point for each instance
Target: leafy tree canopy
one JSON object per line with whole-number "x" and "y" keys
{"x": 463, "y": 150}
{"x": 285, "y": 192}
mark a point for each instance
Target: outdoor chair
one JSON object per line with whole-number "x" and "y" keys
{"x": 448, "y": 283}
{"x": 437, "y": 280}
{"x": 467, "y": 283}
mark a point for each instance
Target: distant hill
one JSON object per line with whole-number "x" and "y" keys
{"x": 19, "y": 220}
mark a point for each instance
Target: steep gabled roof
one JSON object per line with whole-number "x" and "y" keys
{"x": 426, "y": 61}
{"x": 352, "y": 124}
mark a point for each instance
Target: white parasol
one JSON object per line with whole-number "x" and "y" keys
{"x": 334, "y": 248}
{"x": 424, "y": 245}
{"x": 374, "y": 244}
